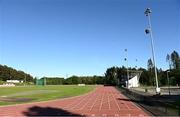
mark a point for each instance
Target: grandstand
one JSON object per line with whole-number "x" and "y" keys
{"x": 134, "y": 76}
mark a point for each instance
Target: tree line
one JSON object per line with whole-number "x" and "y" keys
{"x": 74, "y": 80}
{"x": 113, "y": 75}
{"x": 8, "y": 73}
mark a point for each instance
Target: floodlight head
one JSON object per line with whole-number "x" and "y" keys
{"x": 147, "y": 12}
{"x": 125, "y": 59}
{"x": 147, "y": 31}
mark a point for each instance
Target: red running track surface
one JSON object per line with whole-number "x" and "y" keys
{"x": 104, "y": 101}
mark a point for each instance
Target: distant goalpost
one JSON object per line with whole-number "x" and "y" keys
{"x": 41, "y": 82}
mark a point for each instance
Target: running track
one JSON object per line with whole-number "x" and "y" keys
{"x": 104, "y": 101}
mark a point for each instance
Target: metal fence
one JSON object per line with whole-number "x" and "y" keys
{"x": 153, "y": 104}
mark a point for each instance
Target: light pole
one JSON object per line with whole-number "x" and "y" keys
{"x": 127, "y": 68}
{"x": 24, "y": 79}
{"x": 168, "y": 82}
{"x": 115, "y": 75}
{"x": 149, "y": 30}
{"x": 136, "y": 64}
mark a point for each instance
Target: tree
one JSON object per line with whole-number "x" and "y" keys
{"x": 168, "y": 59}
{"x": 150, "y": 67}
{"x": 175, "y": 60}
{"x": 7, "y": 73}
{"x": 111, "y": 76}
{"x": 175, "y": 74}
{"x": 162, "y": 77}
{"x": 150, "y": 64}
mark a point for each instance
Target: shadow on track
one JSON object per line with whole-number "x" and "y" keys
{"x": 48, "y": 111}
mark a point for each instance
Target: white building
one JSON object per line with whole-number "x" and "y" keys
{"x": 14, "y": 81}
{"x": 134, "y": 76}
{"x": 134, "y": 82}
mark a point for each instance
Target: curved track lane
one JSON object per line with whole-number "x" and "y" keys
{"x": 104, "y": 101}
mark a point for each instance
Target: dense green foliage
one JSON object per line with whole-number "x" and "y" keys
{"x": 74, "y": 80}
{"x": 113, "y": 75}
{"x": 147, "y": 77}
{"x": 8, "y": 73}
{"x": 53, "y": 80}
{"x": 173, "y": 59}
{"x": 85, "y": 80}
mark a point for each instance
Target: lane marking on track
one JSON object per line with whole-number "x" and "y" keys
{"x": 109, "y": 102}
{"x": 75, "y": 105}
{"x": 88, "y": 101}
{"x": 98, "y": 95}
{"x": 116, "y": 115}
{"x": 131, "y": 103}
{"x": 102, "y": 99}
{"x": 75, "y": 102}
{"x": 108, "y": 96}
{"x": 104, "y": 115}
{"x": 125, "y": 103}
{"x": 115, "y": 101}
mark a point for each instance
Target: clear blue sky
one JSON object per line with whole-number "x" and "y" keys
{"x": 85, "y": 37}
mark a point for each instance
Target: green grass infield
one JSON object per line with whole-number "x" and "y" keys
{"x": 27, "y": 94}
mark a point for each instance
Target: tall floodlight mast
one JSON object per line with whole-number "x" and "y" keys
{"x": 149, "y": 31}
{"x": 126, "y": 59}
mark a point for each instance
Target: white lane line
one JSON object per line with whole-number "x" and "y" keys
{"x": 88, "y": 101}
{"x": 109, "y": 102}
{"x": 102, "y": 99}
{"x": 76, "y": 102}
{"x": 124, "y": 102}
{"x": 131, "y": 103}
{"x": 104, "y": 115}
{"x": 116, "y": 115}
{"x": 115, "y": 101}
{"x": 73, "y": 102}
{"x": 80, "y": 102}
{"x": 97, "y": 96}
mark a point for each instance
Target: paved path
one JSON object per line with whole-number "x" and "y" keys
{"x": 104, "y": 101}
